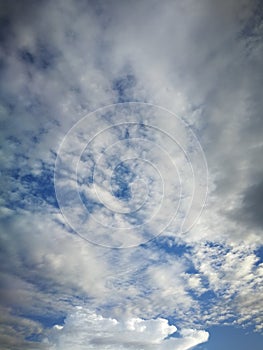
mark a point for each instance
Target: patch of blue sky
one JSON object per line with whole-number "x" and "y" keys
{"x": 47, "y": 320}
{"x": 35, "y": 338}
{"x": 13, "y": 173}
{"x": 163, "y": 244}
{"x": 123, "y": 87}
{"x": 30, "y": 189}
{"x": 41, "y": 186}
{"x": 43, "y": 58}
{"x": 169, "y": 246}
{"x": 232, "y": 338}
{"x": 207, "y": 296}
{"x": 216, "y": 250}
{"x": 121, "y": 180}
{"x": 259, "y": 254}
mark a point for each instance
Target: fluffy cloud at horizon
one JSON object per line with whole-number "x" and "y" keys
{"x": 84, "y": 329}
{"x": 61, "y": 61}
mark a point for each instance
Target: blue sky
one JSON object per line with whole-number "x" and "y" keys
{"x": 230, "y": 337}
{"x": 131, "y": 169}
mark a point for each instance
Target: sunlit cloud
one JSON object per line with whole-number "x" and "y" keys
{"x": 84, "y": 329}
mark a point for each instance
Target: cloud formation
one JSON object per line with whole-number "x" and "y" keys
{"x": 85, "y": 329}
{"x": 59, "y": 62}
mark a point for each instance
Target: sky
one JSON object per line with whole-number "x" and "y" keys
{"x": 131, "y": 174}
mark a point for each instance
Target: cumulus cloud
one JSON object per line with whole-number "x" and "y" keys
{"x": 86, "y": 329}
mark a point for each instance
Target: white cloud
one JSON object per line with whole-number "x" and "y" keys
{"x": 85, "y": 329}
{"x": 235, "y": 275}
